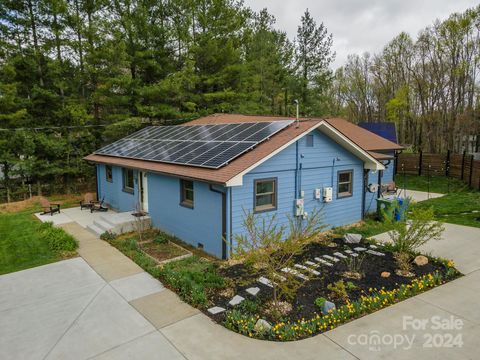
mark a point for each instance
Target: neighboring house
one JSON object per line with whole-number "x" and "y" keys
{"x": 322, "y": 163}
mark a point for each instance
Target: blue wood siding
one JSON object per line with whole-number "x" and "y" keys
{"x": 113, "y": 193}
{"x": 202, "y": 224}
{"x": 318, "y": 170}
{"x": 386, "y": 176}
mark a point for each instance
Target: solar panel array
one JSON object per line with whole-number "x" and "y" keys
{"x": 210, "y": 146}
{"x": 386, "y": 130}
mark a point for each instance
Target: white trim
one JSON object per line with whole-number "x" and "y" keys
{"x": 369, "y": 162}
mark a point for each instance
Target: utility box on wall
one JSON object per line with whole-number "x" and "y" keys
{"x": 299, "y": 207}
{"x": 327, "y": 194}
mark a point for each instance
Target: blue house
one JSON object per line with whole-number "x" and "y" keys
{"x": 197, "y": 180}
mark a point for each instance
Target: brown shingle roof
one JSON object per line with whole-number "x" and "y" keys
{"x": 363, "y": 138}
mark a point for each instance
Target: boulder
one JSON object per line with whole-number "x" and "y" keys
{"x": 352, "y": 238}
{"x": 262, "y": 326}
{"x": 328, "y": 306}
{"x": 385, "y": 274}
{"x": 421, "y": 260}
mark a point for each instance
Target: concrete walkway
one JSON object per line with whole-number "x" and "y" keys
{"x": 418, "y": 196}
{"x": 104, "y": 306}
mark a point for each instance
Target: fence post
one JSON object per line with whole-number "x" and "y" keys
{"x": 471, "y": 171}
{"x": 420, "y": 163}
{"x": 447, "y": 164}
{"x": 463, "y": 164}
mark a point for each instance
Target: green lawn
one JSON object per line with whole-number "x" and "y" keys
{"x": 25, "y": 243}
{"x": 456, "y": 208}
{"x": 21, "y": 245}
{"x": 436, "y": 184}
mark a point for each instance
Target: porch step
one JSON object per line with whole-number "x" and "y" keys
{"x": 95, "y": 229}
{"x": 103, "y": 225}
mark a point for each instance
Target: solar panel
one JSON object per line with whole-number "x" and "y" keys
{"x": 386, "y": 130}
{"x": 210, "y": 146}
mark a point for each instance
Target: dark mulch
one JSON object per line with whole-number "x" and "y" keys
{"x": 304, "y": 302}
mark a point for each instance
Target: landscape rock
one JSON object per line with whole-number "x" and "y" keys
{"x": 421, "y": 260}
{"x": 404, "y": 273}
{"x": 376, "y": 253}
{"x": 385, "y": 274}
{"x": 263, "y": 280}
{"x": 262, "y": 326}
{"x": 340, "y": 255}
{"x": 359, "y": 249}
{"x": 352, "y": 238}
{"x": 216, "y": 310}
{"x": 328, "y": 306}
{"x": 373, "y": 246}
{"x": 253, "y": 291}
{"x": 237, "y": 299}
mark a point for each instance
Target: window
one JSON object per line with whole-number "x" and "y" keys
{"x": 344, "y": 185}
{"x": 128, "y": 180}
{"x": 186, "y": 193}
{"x": 265, "y": 195}
{"x": 108, "y": 173}
{"x": 309, "y": 140}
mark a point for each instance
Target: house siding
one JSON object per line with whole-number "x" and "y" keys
{"x": 112, "y": 192}
{"x": 316, "y": 170}
{"x": 200, "y": 224}
{"x": 386, "y": 176}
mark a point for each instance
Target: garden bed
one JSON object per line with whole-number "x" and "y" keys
{"x": 154, "y": 244}
{"x": 211, "y": 286}
{"x": 360, "y": 296}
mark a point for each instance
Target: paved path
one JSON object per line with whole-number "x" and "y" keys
{"x": 104, "y": 306}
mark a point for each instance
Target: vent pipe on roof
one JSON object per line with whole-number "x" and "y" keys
{"x": 297, "y": 120}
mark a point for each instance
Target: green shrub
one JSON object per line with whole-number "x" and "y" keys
{"x": 338, "y": 290}
{"x": 161, "y": 238}
{"x": 191, "y": 277}
{"x": 350, "y": 286}
{"x": 108, "y": 236}
{"x": 320, "y": 301}
{"x": 57, "y": 239}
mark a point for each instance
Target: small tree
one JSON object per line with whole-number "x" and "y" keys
{"x": 268, "y": 248}
{"x": 417, "y": 229}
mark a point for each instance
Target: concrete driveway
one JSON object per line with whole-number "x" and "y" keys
{"x": 103, "y": 306}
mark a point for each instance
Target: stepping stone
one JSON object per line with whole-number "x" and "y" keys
{"x": 349, "y": 252}
{"x": 359, "y": 249}
{"x": 294, "y": 272}
{"x": 340, "y": 255}
{"x": 216, "y": 310}
{"x": 265, "y": 281}
{"x": 253, "y": 291}
{"x": 373, "y": 247}
{"x": 377, "y": 253}
{"x": 237, "y": 299}
{"x": 314, "y": 272}
{"x": 311, "y": 263}
{"x": 324, "y": 262}
{"x": 331, "y": 258}
{"x": 279, "y": 277}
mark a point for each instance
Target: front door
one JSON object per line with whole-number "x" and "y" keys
{"x": 143, "y": 181}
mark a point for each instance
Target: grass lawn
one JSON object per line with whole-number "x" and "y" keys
{"x": 21, "y": 245}
{"x": 436, "y": 184}
{"x": 456, "y": 208}
{"x": 24, "y": 243}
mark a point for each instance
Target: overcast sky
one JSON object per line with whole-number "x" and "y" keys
{"x": 361, "y": 25}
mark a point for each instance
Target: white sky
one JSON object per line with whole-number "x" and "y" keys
{"x": 361, "y": 25}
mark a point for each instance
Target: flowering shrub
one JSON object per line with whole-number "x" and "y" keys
{"x": 376, "y": 299}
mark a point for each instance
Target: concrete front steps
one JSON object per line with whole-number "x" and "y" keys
{"x": 118, "y": 223}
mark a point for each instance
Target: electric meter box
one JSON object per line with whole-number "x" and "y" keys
{"x": 299, "y": 207}
{"x": 317, "y": 193}
{"x": 327, "y": 194}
